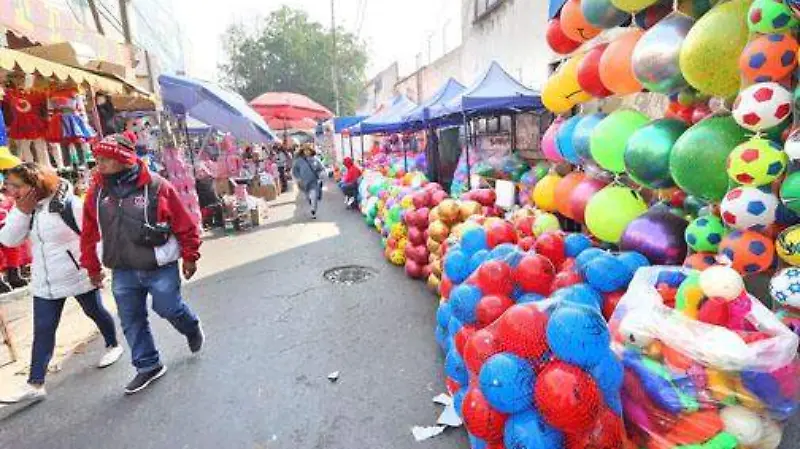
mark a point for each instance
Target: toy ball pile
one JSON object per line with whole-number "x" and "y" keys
{"x": 528, "y": 350}
{"x": 705, "y": 364}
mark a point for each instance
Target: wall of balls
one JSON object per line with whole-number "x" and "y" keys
{"x": 712, "y": 182}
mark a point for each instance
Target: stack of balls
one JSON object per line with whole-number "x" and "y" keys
{"x": 528, "y": 350}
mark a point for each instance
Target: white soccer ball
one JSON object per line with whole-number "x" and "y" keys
{"x": 784, "y": 287}
{"x": 762, "y": 106}
{"x": 749, "y": 208}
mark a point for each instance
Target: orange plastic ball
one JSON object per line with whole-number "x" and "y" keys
{"x": 574, "y": 24}
{"x": 748, "y": 251}
{"x": 769, "y": 57}
{"x": 616, "y": 66}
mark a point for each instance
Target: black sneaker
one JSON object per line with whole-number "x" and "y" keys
{"x": 196, "y": 340}
{"x": 143, "y": 380}
{"x": 313, "y": 215}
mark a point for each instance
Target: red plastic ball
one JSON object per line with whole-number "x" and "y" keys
{"x": 524, "y": 226}
{"x": 445, "y": 287}
{"x": 482, "y": 345}
{"x": 522, "y": 330}
{"x": 568, "y": 264}
{"x": 589, "y": 73}
{"x": 452, "y": 385}
{"x": 567, "y": 397}
{"x": 558, "y": 40}
{"x": 607, "y": 432}
{"x": 499, "y": 233}
{"x": 526, "y": 243}
{"x": 492, "y": 307}
{"x": 610, "y": 301}
{"x": 495, "y": 278}
{"x": 462, "y": 337}
{"x": 677, "y": 198}
{"x": 714, "y": 311}
{"x": 481, "y": 419}
{"x": 565, "y": 279}
{"x": 534, "y": 274}
{"x": 551, "y": 245}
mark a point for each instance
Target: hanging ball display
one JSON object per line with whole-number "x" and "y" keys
{"x": 589, "y": 73}
{"x": 602, "y": 14}
{"x": 770, "y": 57}
{"x": 558, "y": 41}
{"x": 656, "y": 58}
{"x": 544, "y": 194}
{"x": 611, "y": 210}
{"x": 632, "y": 5}
{"x": 647, "y": 152}
{"x": 770, "y": 16}
{"x": 574, "y": 24}
{"x": 788, "y": 245}
{"x": 790, "y": 192}
{"x": 756, "y": 162}
{"x": 749, "y": 208}
{"x": 549, "y": 145}
{"x": 748, "y": 251}
{"x": 564, "y": 140}
{"x": 698, "y": 156}
{"x": 610, "y": 137}
{"x": 561, "y": 91}
{"x": 657, "y": 235}
{"x": 564, "y": 190}
{"x": 704, "y": 234}
{"x": 616, "y": 67}
{"x": 581, "y": 137}
{"x": 582, "y": 194}
{"x": 710, "y": 53}
{"x": 762, "y": 106}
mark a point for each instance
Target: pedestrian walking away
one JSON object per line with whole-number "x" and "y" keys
{"x": 308, "y": 172}
{"x": 48, "y": 211}
{"x": 145, "y": 229}
{"x": 282, "y": 160}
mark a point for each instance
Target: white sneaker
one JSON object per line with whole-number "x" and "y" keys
{"x": 110, "y": 357}
{"x": 28, "y": 393}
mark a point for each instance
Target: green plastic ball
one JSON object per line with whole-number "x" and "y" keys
{"x": 790, "y": 192}
{"x": 770, "y": 16}
{"x": 756, "y": 162}
{"x": 705, "y": 234}
{"x": 611, "y": 135}
{"x": 647, "y": 153}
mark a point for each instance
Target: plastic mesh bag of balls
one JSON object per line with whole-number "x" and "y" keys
{"x": 706, "y": 365}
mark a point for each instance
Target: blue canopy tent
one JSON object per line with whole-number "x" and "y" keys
{"x": 421, "y": 115}
{"x": 342, "y": 123}
{"x": 494, "y": 92}
{"x": 389, "y": 120}
{"x": 212, "y": 104}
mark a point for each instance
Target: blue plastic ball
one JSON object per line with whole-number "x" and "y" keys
{"x": 507, "y": 382}
{"x": 606, "y": 274}
{"x": 608, "y": 375}
{"x": 454, "y": 326}
{"x": 455, "y": 368}
{"x": 508, "y": 253}
{"x": 441, "y": 338}
{"x": 473, "y": 240}
{"x": 528, "y": 430}
{"x": 443, "y": 314}
{"x": 463, "y": 300}
{"x": 615, "y": 404}
{"x": 633, "y": 260}
{"x": 582, "y": 295}
{"x": 578, "y": 335}
{"x": 475, "y": 442}
{"x": 587, "y": 256}
{"x": 671, "y": 278}
{"x": 529, "y": 297}
{"x": 575, "y": 244}
{"x": 477, "y": 260}
{"x": 458, "y": 400}
{"x": 456, "y": 266}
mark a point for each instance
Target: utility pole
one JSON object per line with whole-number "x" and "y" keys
{"x": 126, "y": 24}
{"x": 334, "y": 68}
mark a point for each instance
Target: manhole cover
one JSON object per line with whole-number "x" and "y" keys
{"x": 349, "y": 275}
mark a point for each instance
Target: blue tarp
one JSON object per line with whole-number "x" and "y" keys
{"x": 212, "y": 104}
{"x": 555, "y": 7}
{"x": 416, "y": 118}
{"x": 342, "y": 123}
{"x": 389, "y": 120}
{"x": 495, "y": 91}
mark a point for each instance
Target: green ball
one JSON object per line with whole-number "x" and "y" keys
{"x": 698, "y": 158}
{"x": 705, "y": 234}
{"x": 611, "y": 210}
{"x": 790, "y": 192}
{"x": 757, "y": 162}
{"x": 611, "y": 135}
{"x": 647, "y": 152}
{"x": 770, "y": 16}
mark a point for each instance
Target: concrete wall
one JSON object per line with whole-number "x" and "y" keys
{"x": 379, "y": 90}
{"x": 422, "y": 84}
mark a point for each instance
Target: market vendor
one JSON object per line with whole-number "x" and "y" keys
{"x": 349, "y": 183}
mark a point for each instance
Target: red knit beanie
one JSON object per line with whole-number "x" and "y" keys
{"x": 120, "y": 147}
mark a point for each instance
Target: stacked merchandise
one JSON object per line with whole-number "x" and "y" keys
{"x": 181, "y": 176}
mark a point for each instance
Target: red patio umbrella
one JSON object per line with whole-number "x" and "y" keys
{"x": 289, "y": 106}
{"x": 278, "y": 124}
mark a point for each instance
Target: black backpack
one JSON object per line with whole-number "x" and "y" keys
{"x": 67, "y": 214}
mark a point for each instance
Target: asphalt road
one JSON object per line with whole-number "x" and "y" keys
{"x": 276, "y": 328}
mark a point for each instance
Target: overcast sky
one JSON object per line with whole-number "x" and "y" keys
{"x": 393, "y": 30}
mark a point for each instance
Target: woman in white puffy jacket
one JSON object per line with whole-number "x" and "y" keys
{"x": 50, "y": 214}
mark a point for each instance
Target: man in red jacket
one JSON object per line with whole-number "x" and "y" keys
{"x": 349, "y": 182}
{"x": 144, "y": 229}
